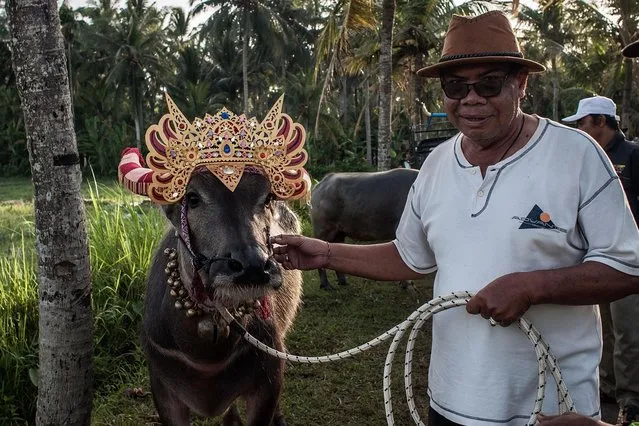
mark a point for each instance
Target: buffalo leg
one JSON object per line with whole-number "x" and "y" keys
{"x": 171, "y": 410}
{"x": 232, "y": 417}
{"x": 279, "y": 420}
{"x": 341, "y": 278}
{"x": 263, "y": 405}
{"x": 261, "y": 409}
{"x": 324, "y": 282}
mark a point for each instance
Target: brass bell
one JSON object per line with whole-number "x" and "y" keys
{"x": 170, "y": 281}
{"x": 188, "y": 304}
{"x": 225, "y": 331}
{"x": 178, "y": 305}
{"x": 173, "y": 293}
{"x": 191, "y": 313}
{"x": 206, "y": 328}
{"x": 182, "y": 292}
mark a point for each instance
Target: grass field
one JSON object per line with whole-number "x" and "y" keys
{"x": 348, "y": 392}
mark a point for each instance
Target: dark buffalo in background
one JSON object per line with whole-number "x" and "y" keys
{"x": 360, "y": 206}
{"x": 196, "y": 366}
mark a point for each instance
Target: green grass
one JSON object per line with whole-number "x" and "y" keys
{"x": 123, "y": 235}
{"x": 16, "y": 189}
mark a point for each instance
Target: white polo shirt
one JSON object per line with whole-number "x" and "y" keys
{"x": 556, "y": 203}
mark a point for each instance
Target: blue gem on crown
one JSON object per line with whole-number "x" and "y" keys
{"x": 225, "y": 115}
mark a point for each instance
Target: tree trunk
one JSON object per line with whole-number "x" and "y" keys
{"x": 343, "y": 100}
{"x": 367, "y": 123}
{"x": 555, "y": 89}
{"x": 245, "y": 36}
{"x": 418, "y": 101}
{"x": 65, "y": 324}
{"x": 137, "y": 111}
{"x": 385, "y": 85}
{"x": 413, "y": 108}
{"x": 627, "y": 93}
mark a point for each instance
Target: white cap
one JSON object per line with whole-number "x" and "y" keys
{"x": 599, "y": 105}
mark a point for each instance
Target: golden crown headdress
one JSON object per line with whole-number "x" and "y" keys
{"x": 227, "y": 145}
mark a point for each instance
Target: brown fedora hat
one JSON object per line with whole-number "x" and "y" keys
{"x": 631, "y": 50}
{"x": 480, "y": 39}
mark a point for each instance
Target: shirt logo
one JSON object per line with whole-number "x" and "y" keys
{"x": 538, "y": 219}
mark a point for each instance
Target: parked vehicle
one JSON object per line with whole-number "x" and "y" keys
{"x": 427, "y": 136}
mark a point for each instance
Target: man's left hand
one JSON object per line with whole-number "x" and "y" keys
{"x": 504, "y": 300}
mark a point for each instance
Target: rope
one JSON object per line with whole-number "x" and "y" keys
{"x": 545, "y": 359}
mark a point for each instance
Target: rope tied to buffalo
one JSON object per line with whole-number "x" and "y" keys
{"x": 545, "y": 359}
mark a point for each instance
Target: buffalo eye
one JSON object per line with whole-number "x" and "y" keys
{"x": 193, "y": 200}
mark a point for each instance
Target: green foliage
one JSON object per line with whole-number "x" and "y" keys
{"x": 123, "y": 236}
{"x": 18, "y": 332}
{"x": 14, "y": 157}
{"x": 101, "y": 143}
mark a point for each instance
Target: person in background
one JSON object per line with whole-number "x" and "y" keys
{"x": 512, "y": 208}
{"x": 619, "y": 367}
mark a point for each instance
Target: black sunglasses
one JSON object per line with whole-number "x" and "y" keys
{"x": 486, "y": 87}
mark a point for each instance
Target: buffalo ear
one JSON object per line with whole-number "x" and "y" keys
{"x": 172, "y": 212}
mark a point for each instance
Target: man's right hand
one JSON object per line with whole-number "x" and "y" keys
{"x": 299, "y": 252}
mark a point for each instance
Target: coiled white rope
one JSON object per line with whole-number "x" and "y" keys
{"x": 545, "y": 358}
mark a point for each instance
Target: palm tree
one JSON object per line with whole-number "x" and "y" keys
{"x": 65, "y": 323}
{"x": 348, "y": 19}
{"x": 259, "y": 24}
{"x": 628, "y": 12}
{"x": 385, "y": 85}
{"x": 137, "y": 46}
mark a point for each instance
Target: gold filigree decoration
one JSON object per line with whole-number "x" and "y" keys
{"x": 227, "y": 144}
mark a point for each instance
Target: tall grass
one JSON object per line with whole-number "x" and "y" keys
{"x": 18, "y": 333}
{"x": 123, "y": 234}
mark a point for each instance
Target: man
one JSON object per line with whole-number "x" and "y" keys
{"x": 510, "y": 208}
{"x": 630, "y": 51}
{"x": 619, "y": 368}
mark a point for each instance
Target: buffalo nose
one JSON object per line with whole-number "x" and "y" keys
{"x": 251, "y": 265}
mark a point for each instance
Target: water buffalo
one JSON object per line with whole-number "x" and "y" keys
{"x": 220, "y": 180}
{"x": 195, "y": 364}
{"x": 360, "y": 206}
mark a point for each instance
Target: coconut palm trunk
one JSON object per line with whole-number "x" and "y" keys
{"x": 555, "y": 88}
{"x": 626, "y": 95}
{"x": 65, "y": 324}
{"x": 367, "y": 123}
{"x": 385, "y": 85}
{"x": 245, "y": 37}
